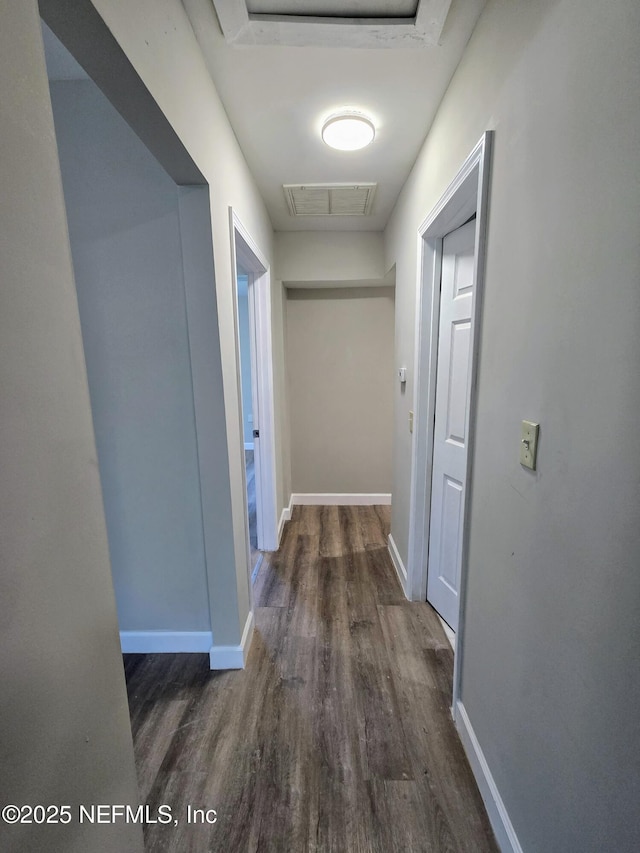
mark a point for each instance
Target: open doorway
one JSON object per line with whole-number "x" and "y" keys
{"x": 253, "y": 314}
{"x": 142, "y": 251}
{"x": 248, "y": 371}
{"x": 450, "y": 285}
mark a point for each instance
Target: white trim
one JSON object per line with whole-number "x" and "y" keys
{"x": 284, "y": 517}
{"x": 341, "y": 499}
{"x": 254, "y": 378}
{"x": 233, "y": 657}
{"x": 450, "y": 634}
{"x": 247, "y": 252}
{"x": 248, "y": 445}
{"x": 498, "y": 815}
{"x": 467, "y": 194}
{"x": 153, "y": 642}
{"x": 240, "y": 27}
{"x": 398, "y": 565}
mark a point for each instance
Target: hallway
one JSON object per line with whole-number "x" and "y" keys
{"x": 337, "y": 736}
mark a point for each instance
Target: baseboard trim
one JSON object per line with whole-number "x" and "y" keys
{"x": 341, "y": 499}
{"x": 285, "y": 516}
{"x": 233, "y": 657}
{"x": 450, "y": 634}
{"x": 498, "y": 816}
{"x": 248, "y": 445}
{"x": 398, "y": 565}
{"x": 154, "y": 642}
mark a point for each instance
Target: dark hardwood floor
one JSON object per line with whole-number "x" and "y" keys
{"x": 337, "y": 737}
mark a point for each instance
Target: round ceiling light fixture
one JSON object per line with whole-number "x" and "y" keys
{"x": 348, "y": 130}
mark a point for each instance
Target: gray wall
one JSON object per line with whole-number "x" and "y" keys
{"x": 65, "y": 730}
{"x": 551, "y": 651}
{"x": 332, "y": 258}
{"x": 340, "y": 367}
{"x": 124, "y": 228}
{"x": 245, "y": 358}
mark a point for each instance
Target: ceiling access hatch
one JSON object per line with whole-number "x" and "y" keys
{"x": 335, "y": 8}
{"x": 329, "y": 199}
{"x": 333, "y": 23}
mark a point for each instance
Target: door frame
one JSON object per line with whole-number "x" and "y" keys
{"x": 467, "y": 194}
{"x": 255, "y": 398}
{"x": 246, "y": 253}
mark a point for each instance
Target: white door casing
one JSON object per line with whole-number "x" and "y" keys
{"x": 468, "y": 193}
{"x": 450, "y": 445}
{"x": 246, "y": 254}
{"x": 255, "y": 407}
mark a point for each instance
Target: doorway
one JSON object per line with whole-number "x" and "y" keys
{"x": 450, "y": 286}
{"x": 253, "y": 341}
{"x": 249, "y": 393}
{"x": 450, "y": 445}
{"x": 145, "y": 275}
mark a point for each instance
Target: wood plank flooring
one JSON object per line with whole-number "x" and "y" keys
{"x": 337, "y": 737}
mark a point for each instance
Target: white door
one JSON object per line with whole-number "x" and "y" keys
{"x": 453, "y": 383}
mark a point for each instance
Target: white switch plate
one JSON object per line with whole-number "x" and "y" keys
{"x": 410, "y": 421}
{"x": 402, "y": 374}
{"x": 529, "y": 444}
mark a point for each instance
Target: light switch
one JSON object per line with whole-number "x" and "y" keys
{"x": 402, "y": 375}
{"x": 410, "y": 421}
{"x": 529, "y": 444}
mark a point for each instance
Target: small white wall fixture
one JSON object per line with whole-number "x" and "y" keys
{"x": 246, "y": 254}
{"x": 467, "y": 195}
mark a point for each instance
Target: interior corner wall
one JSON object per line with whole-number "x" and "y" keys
{"x": 552, "y": 633}
{"x": 340, "y": 371}
{"x": 124, "y": 229}
{"x": 157, "y": 38}
{"x": 66, "y": 737}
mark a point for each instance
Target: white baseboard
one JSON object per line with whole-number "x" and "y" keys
{"x": 285, "y": 516}
{"x": 248, "y": 445}
{"x": 341, "y": 499}
{"x": 152, "y": 642}
{"x": 233, "y": 657}
{"x": 449, "y": 632}
{"x": 398, "y": 565}
{"x": 502, "y": 826}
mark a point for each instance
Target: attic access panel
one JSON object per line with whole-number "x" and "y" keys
{"x": 331, "y": 23}
{"x": 335, "y": 8}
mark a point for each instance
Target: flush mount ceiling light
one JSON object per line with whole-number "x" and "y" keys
{"x": 348, "y": 131}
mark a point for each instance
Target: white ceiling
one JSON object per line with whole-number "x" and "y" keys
{"x": 276, "y": 98}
